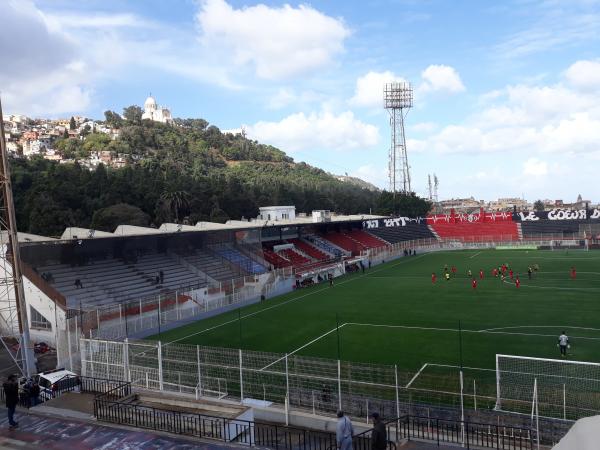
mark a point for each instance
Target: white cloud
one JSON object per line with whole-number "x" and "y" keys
{"x": 423, "y": 127}
{"x": 369, "y": 88}
{"x": 584, "y": 75}
{"x": 277, "y": 42}
{"x": 522, "y": 118}
{"x": 285, "y": 97}
{"x": 535, "y": 167}
{"x": 556, "y": 25}
{"x": 373, "y": 174}
{"x": 316, "y": 131}
{"x": 46, "y": 74}
{"x": 98, "y": 20}
{"x": 441, "y": 78}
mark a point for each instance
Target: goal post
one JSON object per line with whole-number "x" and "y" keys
{"x": 564, "y": 389}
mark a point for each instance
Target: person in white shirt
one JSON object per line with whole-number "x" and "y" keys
{"x": 344, "y": 432}
{"x": 563, "y": 344}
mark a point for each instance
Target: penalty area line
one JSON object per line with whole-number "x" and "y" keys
{"x": 416, "y": 376}
{"x": 476, "y": 254}
{"x": 300, "y": 348}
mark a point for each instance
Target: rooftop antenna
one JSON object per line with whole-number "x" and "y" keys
{"x": 398, "y": 99}
{"x": 14, "y": 323}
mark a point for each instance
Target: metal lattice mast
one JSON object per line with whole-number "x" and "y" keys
{"x": 398, "y": 99}
{"x": 14, "y": 325}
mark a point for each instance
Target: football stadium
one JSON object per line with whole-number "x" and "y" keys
{"x": 451, "y": 316}
{"x": 336, "y": 226}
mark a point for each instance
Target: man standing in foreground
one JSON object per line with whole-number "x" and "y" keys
{"x": 344, "y": 432}
{"x": 379, "y": 434}
{"x": 11, "y": 394}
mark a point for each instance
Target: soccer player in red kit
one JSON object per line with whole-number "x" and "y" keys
{"x": 517, "y": 282}
{"x": 433, "y": 278}
{"x": 453, "y": 270}
{"x": 510, "y": 272}
{"x": 481, "y": 274}
{"x": 495, "y": 272}
{"x": 474, "y": 283}
{"x": 573, "y": 272}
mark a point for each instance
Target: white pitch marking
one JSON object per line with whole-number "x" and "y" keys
{"x": 556, "y": 287}
{"x": 403, "y": 260}
{"x": 478, "y": 253}
{"x": 464, "y": 331}
{"x": 540, "y": 326}
{"x": 304, "y": 346}
{"x": 416, "y": 375}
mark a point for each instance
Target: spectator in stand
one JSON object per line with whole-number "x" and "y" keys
{"x": 11, "y": 395}
{"x": 161, "y": 275}
{"x": 78, "y": 284}
{"x": 379, "y": 434}
{"x": 344, "y": 432}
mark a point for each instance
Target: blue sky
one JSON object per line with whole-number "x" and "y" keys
{"x": 507, "y": 94}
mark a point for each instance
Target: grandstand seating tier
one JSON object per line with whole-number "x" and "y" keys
{"x": 474, "y": 231}
{"x": 294, "y": 257}
{"x": 365, "y": 239}
{"x": 409, "y": 232}
{"x": 309, "y": 249}
{"x": 558, "y": 227}
{"x": 238, "y": 258}
{"x": 344, "y": 242}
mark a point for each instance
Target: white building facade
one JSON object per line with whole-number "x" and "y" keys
{"x": 155, "y": 112}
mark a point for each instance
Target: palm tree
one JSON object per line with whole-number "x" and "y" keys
{"x": 175, "y": 202}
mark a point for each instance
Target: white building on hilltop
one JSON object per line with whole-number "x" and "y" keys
{"x": 155, "y": 112}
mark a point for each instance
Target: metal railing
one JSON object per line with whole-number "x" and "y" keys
{"x": 467, "y": 434}
{"x": 114, "y": 389}
{"x": 223, "y": 429}
{"x": 110, "y": 407}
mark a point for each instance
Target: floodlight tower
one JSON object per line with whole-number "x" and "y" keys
{"x": 398, "y": 99}
{"x": 14, "y": 323}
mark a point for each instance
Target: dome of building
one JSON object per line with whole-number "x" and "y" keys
{"x": 150, "y": 103}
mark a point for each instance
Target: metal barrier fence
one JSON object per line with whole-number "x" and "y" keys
{"x": 310, "y": 384}
{"x": 245, "y": 432}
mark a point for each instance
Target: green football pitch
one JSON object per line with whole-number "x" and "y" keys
{"x": 394, "y": 314}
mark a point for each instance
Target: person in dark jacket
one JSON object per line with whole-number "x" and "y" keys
{"x": 34, "y": 394}
{"x": 379, "y": 433}
{"x": 11, "y": 394}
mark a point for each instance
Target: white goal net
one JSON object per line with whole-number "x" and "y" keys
{"x": 565, "y": 389}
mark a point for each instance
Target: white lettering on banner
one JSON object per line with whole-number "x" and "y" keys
{"x": 567, "y": 214}
{"x": 529, "y": 217}
{"x": 371, "y": 224}
{"x": 395, "y": 222}
{"x": 595, "y": 214}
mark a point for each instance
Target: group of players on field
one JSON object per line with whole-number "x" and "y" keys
{"x": 501, "y": 272}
